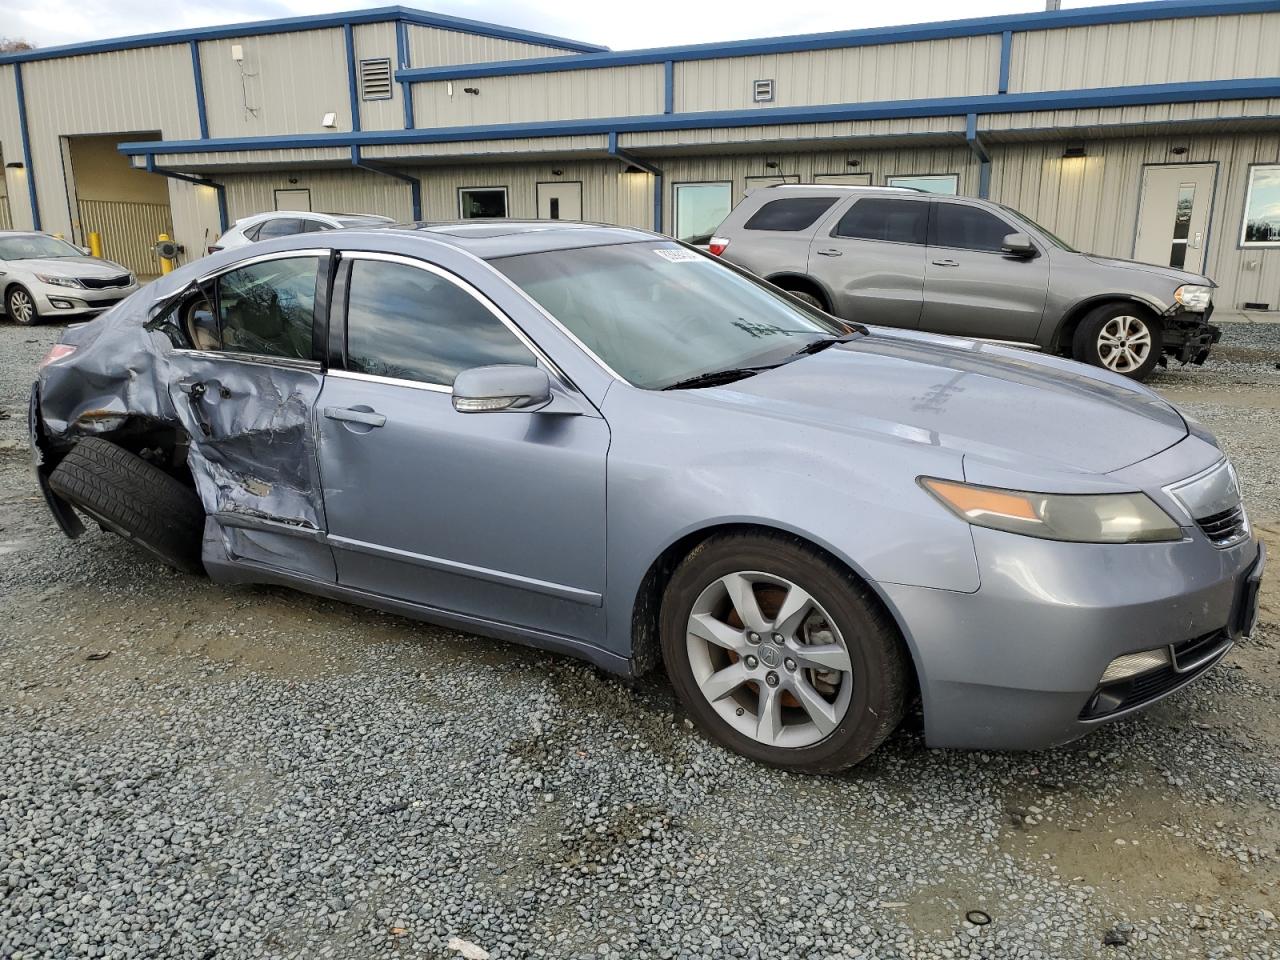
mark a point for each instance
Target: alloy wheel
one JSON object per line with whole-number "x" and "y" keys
{"x": 1124, "y": 343}
{"x": 769, "y": 659}
{"x": 22, "y": 309}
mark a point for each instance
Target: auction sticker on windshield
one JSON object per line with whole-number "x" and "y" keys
{"x": 676, "y": 255}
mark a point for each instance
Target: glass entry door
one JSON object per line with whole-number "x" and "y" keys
{"x": 1173, "y": 217}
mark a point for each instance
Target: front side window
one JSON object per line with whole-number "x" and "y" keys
{"x": 882, "y": 218}
{"x": 795, "y": 213}
{"x": 968, "y": 228}
{"x": 279, "y": 227}
{"x": 408, "y": 323}
{"x": 701, "y": 207}
{"x": 482, "y": 203}
{"x": 266, "y": 309}
{"x": 659, "y": 313}
{"x": 945, "y": 183}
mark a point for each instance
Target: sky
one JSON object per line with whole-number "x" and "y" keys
{"x": 617, "y": 25}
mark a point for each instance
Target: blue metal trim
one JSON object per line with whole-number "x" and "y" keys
{"x": 979, "y": 151}
{"x": 1006, "y": 54}
{"x": 219, "y": 189}
{"x": 197, "y": 75}
{"x": 291, "y": 24}
{"x": 655, "y": 172}
{"x": 415, "y": 185}
{"x": 1251, "y": 89}
{"x": 669, "y": 87}
{"x": 26, "y": 146}
{"x": 978, "y": 26}
{"x": 402, "y": 59}
{"x": 353, "y": 93}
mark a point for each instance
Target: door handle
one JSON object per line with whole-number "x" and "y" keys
{"x": 946, "y": 263}
{"x": 830, "y": 252}
{"x": 367, "y": 417}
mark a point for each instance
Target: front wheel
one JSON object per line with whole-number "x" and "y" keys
{"x": 21, "y": 306}
{"x": 1120, "y": 337}
{"x": 781, "y": 655}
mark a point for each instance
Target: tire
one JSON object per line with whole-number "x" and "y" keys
{"x": 725, "y": 691}
{"x": 135, "y": 499}
{"x": 1114, "y": 336}
{"x": 808, "y": 298}
{"x": 20, "y": 306}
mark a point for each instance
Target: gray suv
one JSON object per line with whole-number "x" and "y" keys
{"x": 972, "y": 268}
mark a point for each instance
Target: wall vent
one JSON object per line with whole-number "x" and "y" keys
{"x": 1250, "y": 305}
{"x": 763, "y": 91}
{"x": 375, "y": 79}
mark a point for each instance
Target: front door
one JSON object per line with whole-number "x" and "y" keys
{"x": 494, "y": 515}
{"x": 561, "y": 200}
{"x": 1173, "y": 215}
{"x": 299, "y": 199}
{"x": 972, "y": 288}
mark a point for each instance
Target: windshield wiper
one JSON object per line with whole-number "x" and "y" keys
{"x": 819, "y": 345}
{"x": 716, "y": 377}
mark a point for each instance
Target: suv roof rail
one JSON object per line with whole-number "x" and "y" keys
{"x": 844, "y": 186}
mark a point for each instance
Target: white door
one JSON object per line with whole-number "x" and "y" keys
{"x": 293, "y": 199}
{"x": 1173, "y": 215}
{"x": 561, "y": 200}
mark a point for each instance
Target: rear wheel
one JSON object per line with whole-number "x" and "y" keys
{"x": 133, "y": 498}
{"x": 1120, "y": 337}
{"x": 21, "y": 306}
{"x": 781, "y": 655}
{"x": 808, "y": 298}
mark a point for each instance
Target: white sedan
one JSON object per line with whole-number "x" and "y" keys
{"x": 42, "y": 277}
{"x": 286, "y": 223}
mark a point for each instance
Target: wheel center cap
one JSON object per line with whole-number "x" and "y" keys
{"x": 770, "y": 655}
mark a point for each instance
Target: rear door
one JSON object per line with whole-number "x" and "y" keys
{"x": 872, "y": 260}
{"x": 972, "y": 288}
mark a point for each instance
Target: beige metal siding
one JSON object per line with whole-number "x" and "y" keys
{"x": 286, "y": 83}
{"x": 13, "y": 183}
{"x": 128, "y": 229}
{"x": 333, "y": 191}
{"x": 1092, "y": 202}
{"x": 433, "y": 47}
{"x": 937, "y": 128}
{"x": 213, "y": 160}
{"x": 594, "y": 143}
{"x": 564, "y": 95}
{"x": 896, "y": 71}
{"x": 378, "y": 41}
{"x": 1095, "y": 121}
{"x": 1159, "y": 51}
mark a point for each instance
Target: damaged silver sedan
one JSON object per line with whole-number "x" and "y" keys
{"x": 600, "y": 442}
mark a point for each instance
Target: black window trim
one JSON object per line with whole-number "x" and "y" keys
{"x": 338, "y": 337}
{"x": 963, "y": 202}
{"x": 841, "y": 211}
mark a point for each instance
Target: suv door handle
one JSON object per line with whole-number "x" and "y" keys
{"x": 946, "y": 263}
{"x": 830, "y": 252}
{"x": 367, "y": 417}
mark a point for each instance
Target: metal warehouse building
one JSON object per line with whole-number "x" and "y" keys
{"x": 1146, "y": 130}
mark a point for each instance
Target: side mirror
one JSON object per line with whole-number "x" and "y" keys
{"x": 86, "y": 251}
{"x": 1018, "y": 245}
{"x": 501, "y": 387}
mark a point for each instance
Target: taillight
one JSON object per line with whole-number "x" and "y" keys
{"x": 717, "y": 245}
{"x": 59, "y": 351}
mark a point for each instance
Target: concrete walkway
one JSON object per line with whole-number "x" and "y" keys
{"x": 1241, "y": 316}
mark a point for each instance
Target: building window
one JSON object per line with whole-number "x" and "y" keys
{"x": 375, "y": 79}
{"x": 762, "y": 91}
{"x": 948, "y": 183}
{"x": 482, "y": 203}
{"x": 701, "y": 207}
{"x": 1262, "y": 208}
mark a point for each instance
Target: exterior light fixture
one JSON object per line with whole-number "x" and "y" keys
{"x": 853, "y": 163}
{"x": 1074, "y": 150}
{"x": 16, "y": 165}
{"x": 771, "y": 164}
{"x": 632, "y": 168}
{"x": 329, "y": 121}
{"x": 1178, "y": 151}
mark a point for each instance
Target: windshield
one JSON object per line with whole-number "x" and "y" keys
{"x": 36, "y": 246}
{"x": 1048, "y": 235}
{"x": 659, "y": 313}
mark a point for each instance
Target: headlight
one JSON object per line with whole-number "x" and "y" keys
{"x": 58, "y": 281}
{"x": 132, "y": 280}
{"x": 1194, "y": 297}
{"x": 1081, "y": 518}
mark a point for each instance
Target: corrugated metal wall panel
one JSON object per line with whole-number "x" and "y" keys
{"x": 376, "y": 41}
{"x": 128, "y": 231}
{"x": 946, "y": 127}
{"x": 1092, "y": 202}
{"x": 338, "y": 191}
{"x": 12, "y": 182}
{"x": 1158, "y": 113}
{"x": 1160, "y": 51}
{"x": 897, "y": 71}
{"x": 433, "y": 47}
{"x": 564, "y": 95}
{"x": 529, "y": 145}
{"x": 235, "y": 158}
{"x": 286, "y": 83}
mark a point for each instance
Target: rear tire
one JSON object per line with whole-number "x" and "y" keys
{"x": 20, "y": 306}
{"x": 135, "y": 499}
{"x": 808, "y": 298}
{"x": 824, "y": 681}
{"x": 1120, "y": 337}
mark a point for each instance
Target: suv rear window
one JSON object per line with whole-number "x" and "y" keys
{"x": 876, "y": 218}
{"x": 793, "y": 213}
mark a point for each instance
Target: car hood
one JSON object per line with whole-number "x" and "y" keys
{"x": 93, "y": 267}
{"x": 1177, "y": 277}
{"x": 1008, "y": 406}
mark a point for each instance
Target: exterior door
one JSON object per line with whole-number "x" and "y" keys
{"x": 491, "y": 515}
{"x": 973, "y": 289}
{"x": 560, "y": 200}
{"x": 293, "y": 199}
{"x": 1173, "y": 215}
{"x": 870, "y": 256}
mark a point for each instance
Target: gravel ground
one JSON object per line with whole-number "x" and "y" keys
{"x": 188, "y": 770}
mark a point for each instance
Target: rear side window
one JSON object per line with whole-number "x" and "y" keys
{"x": 279, "y": 227}
{"x": 267, "y": 309}
{"x": 875, "y": 218}
{"x": 789, "y": 215}
{"x": 411, "y": 324}
{"x": 968, "y": 228}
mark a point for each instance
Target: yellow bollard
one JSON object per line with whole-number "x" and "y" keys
{"x": 166, "y": 265}
{"x": 95, "y": 244}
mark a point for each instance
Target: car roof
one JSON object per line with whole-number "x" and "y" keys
{"x": 489, "y": 239}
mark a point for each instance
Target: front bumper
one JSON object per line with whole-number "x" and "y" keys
{"x": 1017, "y": 664}
{"x": 71, "y": 302}
{"x": 1188, "y": 336}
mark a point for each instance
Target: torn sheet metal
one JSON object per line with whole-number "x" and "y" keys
{"x": 252, "y": 442}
